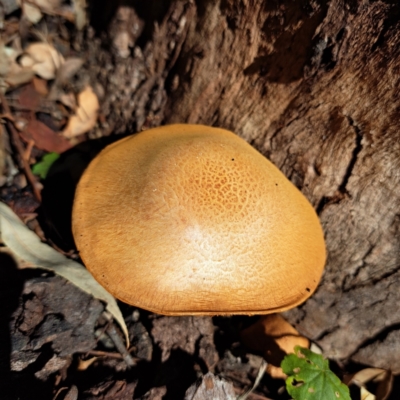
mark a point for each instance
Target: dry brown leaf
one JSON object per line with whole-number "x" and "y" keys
{"x": 49, "y": 6}
{"x": 44, "y": 137}
{"x": 80, "y": 13}
{"x": 365, "y": 395}
{"x": 27, "y": 246}
{"x": 11, "y": 73}
{"x": 43, "y": 59}
{"x": 40, "y": 86}
{"x": 381, "y": 378}
{"x": 83, "y": 365}
{"x": 85, "y": 116}
{"x": 31, "y": 12}
{"x": 274, "y": 337}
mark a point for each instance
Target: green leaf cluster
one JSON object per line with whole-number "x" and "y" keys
{"x": 309, "y": 377}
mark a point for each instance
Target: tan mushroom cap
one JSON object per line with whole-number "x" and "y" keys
{"x": 191, "y": 220}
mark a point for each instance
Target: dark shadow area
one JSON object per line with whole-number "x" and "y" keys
{"x": 228, "y": 331}
{"x": 59, "y": 189}
{"x": 26, "y": 386}
{"x": 177, "y": 373}
{"x": 11, "y": 285}
{"x": 151, "y": 12}
{"x": 395, "y": 395}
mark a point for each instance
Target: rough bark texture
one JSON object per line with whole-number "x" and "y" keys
{"x": 315, "y": 88}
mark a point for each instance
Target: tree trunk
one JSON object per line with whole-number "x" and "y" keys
{"x": 314, "y": 86}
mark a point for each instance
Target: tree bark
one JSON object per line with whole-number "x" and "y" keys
{"x": 314, "y": 86}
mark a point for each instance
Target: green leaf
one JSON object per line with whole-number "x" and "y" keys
{"x": 309, "y": 377}
{"x": 42, "y": 168}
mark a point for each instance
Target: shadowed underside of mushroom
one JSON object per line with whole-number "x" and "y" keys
{"x": 188, "y": 219}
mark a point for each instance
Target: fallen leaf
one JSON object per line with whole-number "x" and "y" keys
{"x": 274, "y": 337}
{"x": 32, "y": 8}
{"x": 40, "y": 86}
{"x": 83, "y": 365}
{"x": 85, "y": 116}
{"x": 44, "y": 137}
{"x": 31, "y": 12}
{"x": 11, "y": 73}
{"x": 365, "y": 395}
{"x": 28, "y": 97}
{"x": 381, "y": 379}
{"x": 27, "y": 246}
{"x": 79, "y": 13}
{"x": 43, "y": 59}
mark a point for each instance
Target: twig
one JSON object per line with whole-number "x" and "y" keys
{"x": 20, "y": 148}
{"x": 119, "y": 345}
{"x": 99, "y": 353}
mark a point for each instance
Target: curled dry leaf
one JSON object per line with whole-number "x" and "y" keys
{"x": 366, "y": 395}
{"x": 85, "y": 116}
{"x": 381, "y": 379}
{"x": 11, "y": 73}
{"x": 43, "y": 59}
{"x": 274, "y": 337}
{"x": 27, "y": 246}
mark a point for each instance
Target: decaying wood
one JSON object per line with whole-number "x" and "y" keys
{"x": 315, "y": 88}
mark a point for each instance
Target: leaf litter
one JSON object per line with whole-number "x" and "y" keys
{"x": 27, "y": 246}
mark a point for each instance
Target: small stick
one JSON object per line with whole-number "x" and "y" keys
{"x": 20, "y": 148}
{"x": 119, "y": 345}
{"x": 99, "y": 353}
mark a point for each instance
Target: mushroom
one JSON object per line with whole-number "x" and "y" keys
{"x": 191, "y": 220}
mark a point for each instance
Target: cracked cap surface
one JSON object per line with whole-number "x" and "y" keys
{"x": 191, "y": 220}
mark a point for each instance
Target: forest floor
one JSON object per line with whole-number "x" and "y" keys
{"x": 69, "y": 97}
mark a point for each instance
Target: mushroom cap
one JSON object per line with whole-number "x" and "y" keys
{"x": 191, "y": 220}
